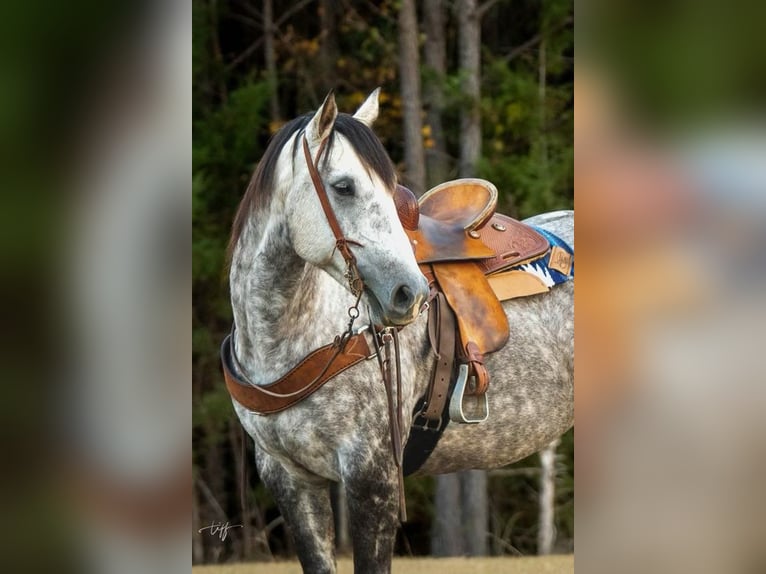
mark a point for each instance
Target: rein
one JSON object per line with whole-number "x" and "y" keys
{"x": 356, "y": 284}
{"x": 394, "y": 410}
{"x": 387, "y": 337}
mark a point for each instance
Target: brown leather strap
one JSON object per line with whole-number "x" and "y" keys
{"x": 476, "y": 369}
{"x": 442, "y": 329}
{"x": 317, "y": 368}
{"x": 395, "y": 417}
{"x": 341, "y": 242}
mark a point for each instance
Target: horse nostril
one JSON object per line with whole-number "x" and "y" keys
{"x": 403, "y": 298}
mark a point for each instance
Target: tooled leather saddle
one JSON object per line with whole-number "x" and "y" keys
{"x": 468, "y": 254}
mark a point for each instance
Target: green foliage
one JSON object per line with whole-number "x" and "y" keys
{"x": 420, "y": 496}
{"x": 227, "y": 144}
{"x": 528, "y": 150}
{"x": 213, "y": 412}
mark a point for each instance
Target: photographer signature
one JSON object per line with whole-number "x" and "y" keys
{"x": 220, "y": 529}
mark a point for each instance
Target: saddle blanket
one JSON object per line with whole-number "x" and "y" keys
{"x": 538, "y": 275}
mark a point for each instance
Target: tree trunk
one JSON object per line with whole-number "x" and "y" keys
{"x": 270, "y": 57}
{"x": 433, "y": 90}
{"x": 328, "y": 45}
{"x": 469, "y": 39}
{"x": 546, "y": 533}
{"x": 409, "y": 71}
{"x": 473, "y": 494}
{"x": 446, "y": 530}
{"x": 473, "y": 482}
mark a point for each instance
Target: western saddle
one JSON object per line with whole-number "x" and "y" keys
{"x": 473, "y": 259}
{"x": 466, "y": 250}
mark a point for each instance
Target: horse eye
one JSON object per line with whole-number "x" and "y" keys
{"x": 343, "y": 187}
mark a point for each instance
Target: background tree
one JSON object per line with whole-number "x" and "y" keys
{"x": 546, "y": 532}
{"x": 473, "y": 483}
{"x": 328, "y": 44}
{"x": 412, "y": 110}
{"x": 258, "y": 63}
{"x": 466, "y": 517}
{"x": 434, "y": 73}
{"x": 469, "y": 69}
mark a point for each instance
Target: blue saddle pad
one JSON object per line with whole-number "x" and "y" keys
{"x": 540, "y": 267}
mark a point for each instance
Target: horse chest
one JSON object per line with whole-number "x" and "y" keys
{"x": 344, "y": 420}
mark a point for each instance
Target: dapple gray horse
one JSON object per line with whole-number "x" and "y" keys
{"x": 289, "y": 296}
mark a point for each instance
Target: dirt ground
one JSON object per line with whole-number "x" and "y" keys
{"x": 525, "y": 565}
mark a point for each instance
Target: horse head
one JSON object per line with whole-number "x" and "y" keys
{"x": 359, "y": 181}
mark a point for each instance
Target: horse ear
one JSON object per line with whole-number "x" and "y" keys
{"x": 368, "y": 111}
{"x": 323, "y": 121}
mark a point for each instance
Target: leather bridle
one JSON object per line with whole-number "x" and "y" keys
{"x": 355, "y": 282}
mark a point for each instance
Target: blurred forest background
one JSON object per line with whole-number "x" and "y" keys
{"x": 468, "y": 89}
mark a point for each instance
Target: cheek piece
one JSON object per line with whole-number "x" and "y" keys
{"x": 342, "y": 244}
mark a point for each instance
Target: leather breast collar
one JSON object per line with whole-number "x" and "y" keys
{"x": 317, "y": 368}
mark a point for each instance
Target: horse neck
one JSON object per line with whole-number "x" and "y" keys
{"x": 283, "y": 307}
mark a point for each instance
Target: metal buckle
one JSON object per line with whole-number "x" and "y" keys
{"x": 426, "y": 426}
{"x": 385, "y": 335}
{"x": 456, "y": 413}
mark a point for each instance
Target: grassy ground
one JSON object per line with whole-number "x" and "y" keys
{"x": 526, "y": 565}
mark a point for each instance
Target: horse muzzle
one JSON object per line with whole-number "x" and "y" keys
{"x": 401, "y": 305}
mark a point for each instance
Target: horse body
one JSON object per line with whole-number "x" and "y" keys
{"x": 289, "y": 298}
